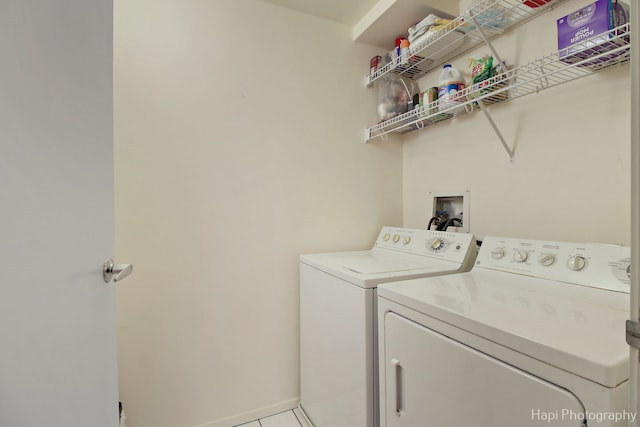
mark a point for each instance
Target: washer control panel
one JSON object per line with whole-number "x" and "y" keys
{"x": 589, "y": 264}
{"x": 438, "y": 244}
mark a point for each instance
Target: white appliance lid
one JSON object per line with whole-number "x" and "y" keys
{"x": 575, "y": 328}
{"x": 399, "y": 254}
{"x": 369, "y": 268}
{"x": 375, "y": 263}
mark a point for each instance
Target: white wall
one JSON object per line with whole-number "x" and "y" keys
{"x": 570, "y": 179}
{"x": 238, "y": 146}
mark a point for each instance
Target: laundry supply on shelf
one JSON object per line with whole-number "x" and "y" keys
{"x": 429, "y": 107}
{"x": 415, "y": 65}
{"x": 586, "y": 32}
{"x": 398, "y": 45}
{"x": 427, "y": 30}
{"x": 404, "y": 51}
{"x": 483, "y": 71}
{"x": 494, "y": 16}
{"x": 536, "y": 3}
{"x": 430, "y": 100}
{"x": 395, "y": 96}
{"x": 449, "y": 84}
{"x": 374, "y": 63}
{"x": 481, "y": 68}
{"x": 421, "y": 27}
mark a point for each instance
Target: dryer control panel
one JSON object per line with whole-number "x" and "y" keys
{"x": 457, "y": 247}
{"x": 590, "y": 264}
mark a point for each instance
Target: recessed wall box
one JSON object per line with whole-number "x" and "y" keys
{"x": 452, "y": 204}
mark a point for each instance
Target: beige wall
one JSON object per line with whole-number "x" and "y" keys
{"x": 239, "y": 145}
{"x": 570, "y": 179}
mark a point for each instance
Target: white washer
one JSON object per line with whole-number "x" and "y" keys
{"x": 533, "y": 335}
{"x": 338, "y": 339}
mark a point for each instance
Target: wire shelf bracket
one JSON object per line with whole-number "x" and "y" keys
{"x": 506, "y": 146}
{"x": 484, "y": 110}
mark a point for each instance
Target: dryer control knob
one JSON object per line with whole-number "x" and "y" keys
{"x": 497, "y": 253}
{"x": 576, "y": 263}
{"x": 396, "y": 238}
{"x": 406, "y": 240}
{"x": 386, "y": 236}
{"x": 520, "y": 255}
{"x": 547, "y": 259}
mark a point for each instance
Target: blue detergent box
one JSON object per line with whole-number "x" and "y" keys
{"x": 578, "y": 32}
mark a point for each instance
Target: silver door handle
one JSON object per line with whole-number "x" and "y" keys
{"x": 116, "y": 271}
{"x": 398, "y": 385}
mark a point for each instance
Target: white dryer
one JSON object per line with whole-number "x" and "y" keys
{"x": 338, "y": 331}
{"x": 533, "y": 335}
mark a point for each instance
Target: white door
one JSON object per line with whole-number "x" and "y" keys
{"x": 634, "y": 398}
{"x": 432, "y": 380}
{"x": 57, "y": 316}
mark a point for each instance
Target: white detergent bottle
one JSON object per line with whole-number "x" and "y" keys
{"x": 449, "y": 84}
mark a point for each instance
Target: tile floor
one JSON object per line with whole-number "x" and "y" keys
{"x": 284, "y": 419}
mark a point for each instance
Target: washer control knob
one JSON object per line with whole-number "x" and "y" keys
{"x": 520, "y": 255}
{"x": 396, "y": 238}
{"x": 386, "y": 236}
{"x": 497, "y": 253}
{"x": 437, "y": 244}
{"x": 547, "y": 259}
{"x": 406, "y": 240}
{"x": 576, "y": 263}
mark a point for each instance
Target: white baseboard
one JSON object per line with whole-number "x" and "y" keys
{"x": 302, "y": 417}
{"x": 254, "y": 414}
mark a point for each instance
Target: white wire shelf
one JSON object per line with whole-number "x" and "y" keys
{"x": 494, "y": 17}
{"x": 579, "y": 60}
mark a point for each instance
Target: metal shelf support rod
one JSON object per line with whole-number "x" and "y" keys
{"x": 496, "y": 55}
{"x": 486, "y": 41}
{"x": 496, "y": 130}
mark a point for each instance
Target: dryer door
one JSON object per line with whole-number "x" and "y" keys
{"x": 432, "y": 380}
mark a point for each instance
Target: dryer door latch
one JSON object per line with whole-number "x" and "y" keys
{"x": 633, "y": 334}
